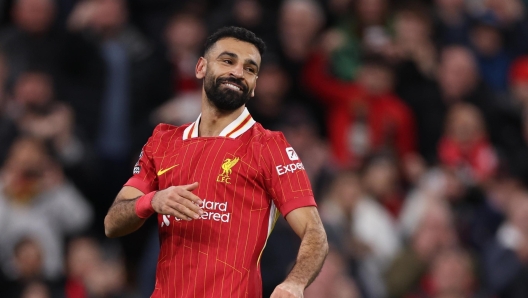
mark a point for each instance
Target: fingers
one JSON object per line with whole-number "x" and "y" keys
{"x": 186, "y": 206}
{"x": 179, "y": 202}
{"x": 182, "y": 212}
{"x": 190, "y": 187}
{"x": 188, "y": 195}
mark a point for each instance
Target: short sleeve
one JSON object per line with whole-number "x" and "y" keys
{"x": 144, "y": 175}
{"x": 285, "y": 176}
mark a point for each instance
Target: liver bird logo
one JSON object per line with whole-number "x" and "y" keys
{"x": 227, "y": 165}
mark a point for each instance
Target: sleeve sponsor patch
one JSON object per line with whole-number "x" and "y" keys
{"x": 292, "y": 155}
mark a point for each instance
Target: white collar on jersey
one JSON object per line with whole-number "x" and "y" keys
{"x": 239, "y": 126}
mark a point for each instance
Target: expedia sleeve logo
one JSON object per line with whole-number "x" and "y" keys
{"x": 291, "y": 154}
{"x": 292, "y": 167}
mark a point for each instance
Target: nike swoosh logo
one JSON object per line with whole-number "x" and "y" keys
{"x": 163, "y": 171}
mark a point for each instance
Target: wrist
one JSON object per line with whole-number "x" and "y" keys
{"x": 144, "y": 207}
{"x": 294, "y": 284}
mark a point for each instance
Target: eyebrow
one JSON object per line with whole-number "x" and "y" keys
{"x": 233, "y": 55}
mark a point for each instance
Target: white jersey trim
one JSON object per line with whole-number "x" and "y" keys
{"x": 236, "y": 128}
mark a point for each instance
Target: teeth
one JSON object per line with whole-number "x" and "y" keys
{"x": 233, "y": 86}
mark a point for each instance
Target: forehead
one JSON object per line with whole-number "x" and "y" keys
{"x": 244, "y": 50}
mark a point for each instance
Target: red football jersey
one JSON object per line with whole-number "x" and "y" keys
{"x": 245, "y": 175}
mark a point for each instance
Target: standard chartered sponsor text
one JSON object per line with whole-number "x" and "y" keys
{"x": 216, "y": 211}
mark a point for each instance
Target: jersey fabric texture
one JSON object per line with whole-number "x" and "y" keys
{"x": 246, "y": 176}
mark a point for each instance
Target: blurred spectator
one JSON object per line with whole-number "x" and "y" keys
{"x": 415, "y": 56}
{"x": 27, "y": 265}
{"x": 268, "y": 105}
{"x": 180, "y": 109}
{"x": 252, "y": 15}
{"x": 510, "y": 15}
{"x": 35, "y": 111}
{"x": 37, "y": 289}
{"x": 32, "y": 41}
{"x": 437, "y": 185}
{"x": 434, "y": 233}
{"x": 333, "y": 280}
{"x": 506, "y": 258}
{"x": 490, "y": 215}
{"x": 452, "y": 23}
{"x": 36, "y": 201}
{"x": 299, "y": 22}
{"x": 451, "y": 274}
{"x": 184, "y": 36}
{"x": 458, "y": 81}
{"x": 28, "y": 259}
{"x": 367, "y": 31}
{"x": 381, "y": 179}
{"x": 298, "y": 26}
{"x": 90, "y": 273}
{"x": 363, "y": 117}
{"x": 44, "y": 117}
{"x": 82, "y": 256}
{"x": 362, "y": 229}
{"x": 465, "y": 147}
{"x": 492, "y": 58}
{"x": 413, "y": 48}
{"x": 136, "y": 80}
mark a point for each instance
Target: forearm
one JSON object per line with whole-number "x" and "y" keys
{"x": 122, "y": 218}
{"x": 312, "y": 253}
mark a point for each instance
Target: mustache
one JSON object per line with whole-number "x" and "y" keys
{"x": 235, "y": 81}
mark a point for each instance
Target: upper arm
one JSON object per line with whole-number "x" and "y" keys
{"x": 144, "y": 176}
{"x": 302, "y": 219}
{"x": 285, "y": 177}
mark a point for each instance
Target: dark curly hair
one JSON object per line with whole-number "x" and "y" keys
{"x": 239, "y": 33}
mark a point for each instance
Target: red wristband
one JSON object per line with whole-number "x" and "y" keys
{"x": 144, "y": 207}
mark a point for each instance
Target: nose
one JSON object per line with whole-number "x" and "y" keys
{"x": 238, "y": 70}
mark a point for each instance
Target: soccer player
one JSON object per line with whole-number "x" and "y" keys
{"x": 217, "y": 186}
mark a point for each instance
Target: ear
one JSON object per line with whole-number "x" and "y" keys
{"x": 253, "y": 92}
{"x": 201, "y": 68}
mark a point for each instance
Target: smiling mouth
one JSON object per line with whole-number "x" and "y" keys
{"x": 232, "y": 86}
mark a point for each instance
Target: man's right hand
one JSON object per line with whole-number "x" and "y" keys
{"x": 178, "y": 201}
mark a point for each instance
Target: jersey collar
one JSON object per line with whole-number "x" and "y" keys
{"x": 239, "y": 126}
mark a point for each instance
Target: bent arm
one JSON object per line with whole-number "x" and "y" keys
{"x": 327, "y": 88}
{"x": 314, "y": 247}
{"x": 122, "y": 218}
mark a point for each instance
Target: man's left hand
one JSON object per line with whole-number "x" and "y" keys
{"x": 288, "y": 290}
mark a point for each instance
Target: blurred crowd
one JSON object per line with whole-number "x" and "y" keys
{"x": 411, "y": 118}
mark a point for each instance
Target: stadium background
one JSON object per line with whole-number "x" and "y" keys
{"x": 410, "y": 118}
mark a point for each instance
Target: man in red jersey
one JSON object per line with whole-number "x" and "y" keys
{"x": 218, "y": 185}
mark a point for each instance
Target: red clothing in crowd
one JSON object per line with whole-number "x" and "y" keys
{"x": 479, "y": 157}
{"x": 384, "y": 120}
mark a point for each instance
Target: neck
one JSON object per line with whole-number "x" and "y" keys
{"x": 213, "y": 121}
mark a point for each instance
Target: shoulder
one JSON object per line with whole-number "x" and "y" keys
{"x": 265, "y": 136}
{"x": 163, "y": 133}
{"x": 164, "y": 130}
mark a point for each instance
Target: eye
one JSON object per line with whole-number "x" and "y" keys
{"x": 251, "y": 70}
{"x": 227, "y": 61}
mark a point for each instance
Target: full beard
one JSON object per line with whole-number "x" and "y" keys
{"x": 225, "y": 99}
